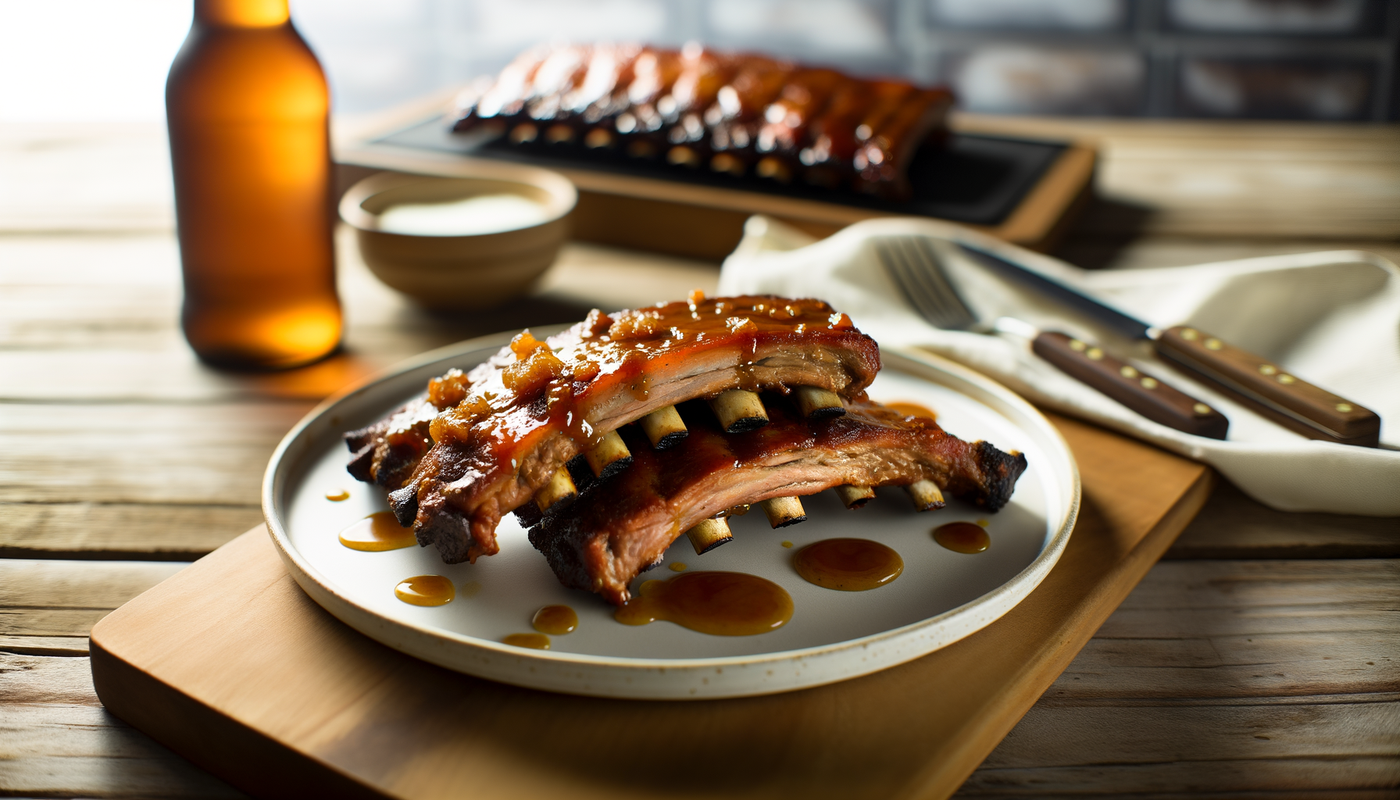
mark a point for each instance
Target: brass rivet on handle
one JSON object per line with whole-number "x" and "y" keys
{"x": 1128, "y": 372}
{"x": 1094, "y": 354}
{"x": 1077, "y": 346}
{"x": 1189, "y": 334}
{"x": 1344, "y": 407}
{"x": 1214, "y": 344}
{"x": 1201, "y": 409}
{"x": 1149, "y": 383}
{"x": 1268, "y": 369}
{"x": 1286, "y": 378}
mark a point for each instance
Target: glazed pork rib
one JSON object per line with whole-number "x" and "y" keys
{"x": 622, "y": 524}
{"x": 736, "y": 113}
{"x": 483, "y": 443}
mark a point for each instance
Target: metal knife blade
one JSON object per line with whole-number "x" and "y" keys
{"x": 1251, "y": 379}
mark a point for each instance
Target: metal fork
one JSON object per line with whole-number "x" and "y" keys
{"x": 916, "y": 267}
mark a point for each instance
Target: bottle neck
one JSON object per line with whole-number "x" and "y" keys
{"x": 242, "y": 13}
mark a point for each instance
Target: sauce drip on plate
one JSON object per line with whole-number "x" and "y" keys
{"x": 719, "y": 603}
{"x": 376, "y": 533}
{"x": 962, "y": 537}
{"x": 557, "y": 620}
{"x": 913, "y": 410}
{"x": 848, "y": 565}
{"x": 425, "y": 590}
{"x": 337, "y": 496}
{"x": 534, "y": 641}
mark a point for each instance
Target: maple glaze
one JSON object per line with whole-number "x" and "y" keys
{"x": 557, "y": 620}
{"x": 425, "y": 590}
{"x": 336, "y": 497}
{"x": 718, "y": 603}
{"x": 848, "y": 565}
{"x": 376, "y": 533}
{"x": 534, "y": 641}
{"x": 962, "y": 537}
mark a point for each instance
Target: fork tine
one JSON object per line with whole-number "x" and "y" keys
{"x": 917, "y": 271}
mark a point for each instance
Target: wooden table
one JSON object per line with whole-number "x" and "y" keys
{"x": 1262, "y": 658}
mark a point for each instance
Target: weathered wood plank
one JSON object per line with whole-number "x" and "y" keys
{"x": 120, "y": 530}
{"x": 1232, "y": 525}
{"x": 1316, "y": 778}
{"x": 1236, "y": 179}
{"x": 36, "y": 584}
{"x": 44, "y": 645}
{"x": 1259, "y": 585}
{"x": 1051, "y": 736}
{"x": 139, "y": 453}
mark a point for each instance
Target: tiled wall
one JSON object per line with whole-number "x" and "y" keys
{"x": 1270, "y": 59}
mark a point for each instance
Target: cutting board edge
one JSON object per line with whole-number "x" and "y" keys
{"x": 940, "y": 782}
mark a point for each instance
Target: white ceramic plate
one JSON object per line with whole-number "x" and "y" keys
{"x": 941, "y": 597}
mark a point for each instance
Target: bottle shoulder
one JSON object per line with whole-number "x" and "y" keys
{"x": 231, "y": 74}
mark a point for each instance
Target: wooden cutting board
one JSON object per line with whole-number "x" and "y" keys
{"x": 229, "y": 664}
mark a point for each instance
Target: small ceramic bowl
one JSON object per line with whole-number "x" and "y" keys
{"x": 494, "y": 249}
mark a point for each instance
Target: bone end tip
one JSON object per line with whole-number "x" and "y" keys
{"x": 709, "y": 534}
{"x": 855, "y": 496}
{"x": 784, "y": 511}
{"x": 739, "y": 411}
{"x": 926, "y": 495}
{"x": 815, "y": 403}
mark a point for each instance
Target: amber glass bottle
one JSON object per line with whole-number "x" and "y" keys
{"x": 248, "y": 110}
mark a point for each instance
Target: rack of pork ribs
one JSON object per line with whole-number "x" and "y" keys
{"x": 737, "y": 113}
{"x": 613, "y": 438}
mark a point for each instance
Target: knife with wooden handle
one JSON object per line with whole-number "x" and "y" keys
{"x": 1253, "y": 380}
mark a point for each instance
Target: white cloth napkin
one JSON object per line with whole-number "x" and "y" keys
{"x": 1332, "y": 318}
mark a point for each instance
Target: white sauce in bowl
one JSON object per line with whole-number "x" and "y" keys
{"x": 489, "y": 213}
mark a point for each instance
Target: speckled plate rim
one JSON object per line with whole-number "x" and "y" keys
{"x": 666, "y": 679}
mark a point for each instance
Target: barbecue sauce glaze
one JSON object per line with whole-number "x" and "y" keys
{"x": 848, "y": 565}
{"x": 505, "y": 407}
{"x": 376, "y": 533}
{"x": 718, "y": 603}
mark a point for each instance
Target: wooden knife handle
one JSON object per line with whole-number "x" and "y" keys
{"x": 1130, "y": 386}
{"x": 1279, "y": 394}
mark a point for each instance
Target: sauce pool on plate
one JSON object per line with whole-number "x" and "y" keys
{"x": 425, "y": 590}
{"x": 718, "y": 603}
{"x": 962, "y": 537}
{"x": 534, "y": 641}
{"x": 848, "y": 565}
{"x": 557, "y": 620}
{"x": 913, "y": 410}
{"x": 376, "y": 533}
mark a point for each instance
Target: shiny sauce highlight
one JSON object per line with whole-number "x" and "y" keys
{"x": 556, "y": 620}
{"x": 848, "y": 565}
{"x": 962, "y": 537}
{"x": 717, "y": 603}
{"x": 425, "y": 590}
{"x": 376, "y": 533}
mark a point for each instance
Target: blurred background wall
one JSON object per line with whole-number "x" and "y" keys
{"x": 1262, "y": 59}
{"x": 1272, "y": 59}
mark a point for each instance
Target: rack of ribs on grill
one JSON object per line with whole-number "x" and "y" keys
{"x": 622, "y": 524}
{"x": 735, "y": 113}
{"x": 483, "y": 443}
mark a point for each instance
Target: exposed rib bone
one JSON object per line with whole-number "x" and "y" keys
{"x": 664, "y": 427}
{"x": 709, "y": 534}
{"x": 608, "y": 456}
{"x": 925, "y": 494}
{"x": 817, "y": 403}
{"x": 784, "y": 511}
{"x": 739, "y": 411}
{"x": 855, "y": 496}
{"x": 560, "y": 487}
